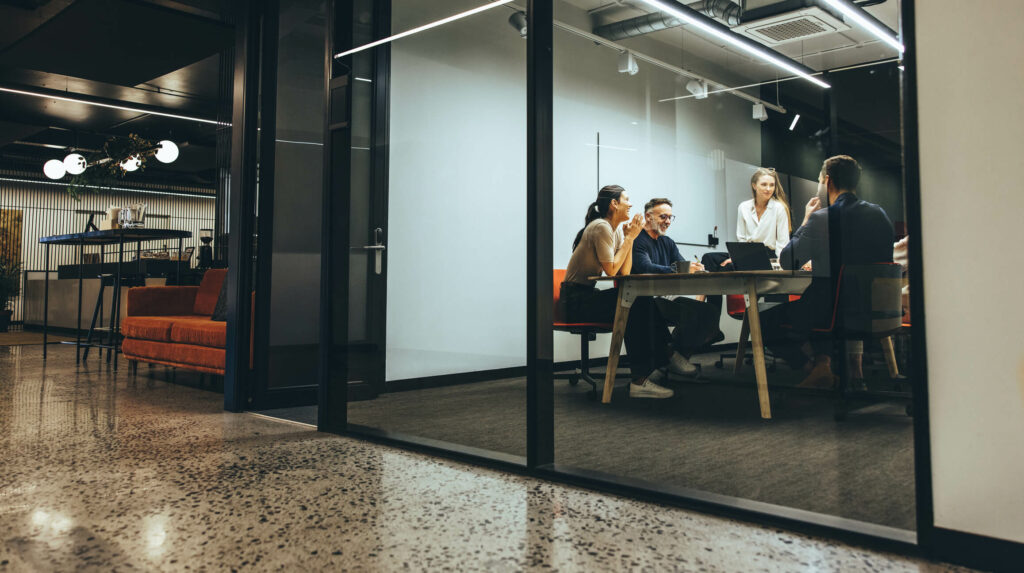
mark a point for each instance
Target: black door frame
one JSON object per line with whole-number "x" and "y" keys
{"x": 927, "y": 540}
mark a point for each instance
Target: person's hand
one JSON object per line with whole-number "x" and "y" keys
{"x": 726, "y": 262}
{"x": 806, "y": 267}
{"x": 632, "y": 229}
{"x": 696, "y": 267}
{"x": 813, "y": 205}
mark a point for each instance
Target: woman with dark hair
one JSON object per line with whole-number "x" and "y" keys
{"x": 605, "y": 246}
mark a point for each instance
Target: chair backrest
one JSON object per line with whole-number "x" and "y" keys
{"x": 868, "y": 301}
{"x": 735, "y": 305}
{"x": 559, "y": 276}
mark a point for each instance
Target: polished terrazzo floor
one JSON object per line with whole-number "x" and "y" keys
{"x": 100, "y": 471}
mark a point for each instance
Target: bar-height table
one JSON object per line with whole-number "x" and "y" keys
{"x": 752, "y": 283}
{"x": 102, "y": 238}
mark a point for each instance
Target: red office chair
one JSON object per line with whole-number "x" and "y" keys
{"x": 587, "y": 330}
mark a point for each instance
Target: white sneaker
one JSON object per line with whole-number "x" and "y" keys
{"x": 649, "y": 390}
{"x": 678, "y": 364}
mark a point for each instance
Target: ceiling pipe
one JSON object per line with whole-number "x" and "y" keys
{"x": 723, "y": 10}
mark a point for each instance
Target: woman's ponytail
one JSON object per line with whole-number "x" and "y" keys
{"x": 599, "y": 208}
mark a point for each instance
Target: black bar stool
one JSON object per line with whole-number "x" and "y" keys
{"x": 97, "y": 311}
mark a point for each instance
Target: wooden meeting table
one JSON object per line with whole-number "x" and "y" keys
{"x": 752, "y": 283}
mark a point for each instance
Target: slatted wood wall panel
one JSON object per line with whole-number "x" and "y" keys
{"x": 48, "y": 210}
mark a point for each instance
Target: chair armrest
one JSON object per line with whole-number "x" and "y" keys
{"x": 161, "y": 300}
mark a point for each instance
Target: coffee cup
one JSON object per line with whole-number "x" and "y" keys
{"x": 682, "y": 267}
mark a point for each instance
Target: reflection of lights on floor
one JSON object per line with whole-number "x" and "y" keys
{"x": 154, "y": 534}
{"x": 51, "y": 522}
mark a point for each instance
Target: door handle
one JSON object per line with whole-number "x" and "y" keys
{"x": 378, "y": 250}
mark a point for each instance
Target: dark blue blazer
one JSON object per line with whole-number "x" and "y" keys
{"x": 849, "y": 232}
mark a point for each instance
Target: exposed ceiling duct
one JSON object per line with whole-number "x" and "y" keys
{"x": 723, "y": 10}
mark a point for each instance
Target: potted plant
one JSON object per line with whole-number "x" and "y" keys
{"x": 10, "y": 287}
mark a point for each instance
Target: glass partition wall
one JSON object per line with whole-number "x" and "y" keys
{"x": 429, "y": 191}
{"x": 428, "y": 249}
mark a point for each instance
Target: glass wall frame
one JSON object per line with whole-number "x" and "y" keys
{"x": 541, "y": 458}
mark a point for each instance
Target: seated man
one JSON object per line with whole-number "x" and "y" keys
{"x": 838, "y": 228}
{"x": 696, "y": 323}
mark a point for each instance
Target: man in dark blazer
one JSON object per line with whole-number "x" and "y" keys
{"x": 838, "y": 228}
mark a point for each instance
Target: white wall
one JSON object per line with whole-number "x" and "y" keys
{"x": 457, "y": 243}
{"x": 970, "y": 84}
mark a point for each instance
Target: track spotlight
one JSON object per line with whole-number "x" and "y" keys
{"x": 518, "y": 21}
{"x": 698, "y": 88}
{"x": 760, "y": 113}
{"x": 627, "y": 64}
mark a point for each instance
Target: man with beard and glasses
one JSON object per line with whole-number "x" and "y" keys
{"x": 696, "y": 323}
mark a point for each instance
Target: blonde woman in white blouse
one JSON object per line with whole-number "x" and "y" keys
{"x": 765, "y": 217}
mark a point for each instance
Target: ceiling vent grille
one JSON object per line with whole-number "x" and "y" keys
{"x": 792, "y": 26}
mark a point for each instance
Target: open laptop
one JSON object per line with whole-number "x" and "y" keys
{"x": 749, "y": 256}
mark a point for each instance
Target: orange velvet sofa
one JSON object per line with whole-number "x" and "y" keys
{"x": 171, "y": 325}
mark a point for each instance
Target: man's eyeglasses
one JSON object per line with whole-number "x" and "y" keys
{"x": 668, "y": 218}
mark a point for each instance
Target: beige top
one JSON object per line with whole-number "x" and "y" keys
{"x": 598, "y": 245}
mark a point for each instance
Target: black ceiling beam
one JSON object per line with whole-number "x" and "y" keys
{"x": 127, "y": 106}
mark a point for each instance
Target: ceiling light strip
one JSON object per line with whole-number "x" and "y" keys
{"x": 424, "y": 27}
{"x": 111, "y": 106}
{"x": 796, "y": 118}
{"x": 866, "y": 21}
{"x": 833, "y": 70}
{"x": 692, "y": 17}
{"x": 105, "y": 188}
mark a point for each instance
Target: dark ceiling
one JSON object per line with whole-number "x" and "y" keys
{"x": 157, "y": 55}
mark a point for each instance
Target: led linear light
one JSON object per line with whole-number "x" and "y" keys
{"x": 686, "y": 16}
{"x": 105, "y": 188}
{"x": 858, "y": 16}
{"x": 110, "y": 106}
{"x": 795, "y": 119}
{"x": 440, "y": 22}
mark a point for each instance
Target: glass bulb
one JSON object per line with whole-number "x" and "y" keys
{"x": 54, "y": 169}
{"x": 75, "y": 164}
{"x": 167, "y": 152}
{"x": 131, "y": 164}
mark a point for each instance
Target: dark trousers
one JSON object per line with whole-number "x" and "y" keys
{"x": 787, "y": 327}
{"x": 695, "y": 322}
{"x": 647, "y": 338}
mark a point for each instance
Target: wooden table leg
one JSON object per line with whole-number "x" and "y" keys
{"x": 741, "y": 345}
{"x": 618, "y": 332}
{"x": 757, "y": 345}
{"x": 890, "y": 357}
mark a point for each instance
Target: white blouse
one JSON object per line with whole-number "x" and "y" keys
{"x": 772, "y": 229}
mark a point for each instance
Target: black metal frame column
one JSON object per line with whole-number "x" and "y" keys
{"x": 540, "y": 420}
{"x": 244, "y": 157}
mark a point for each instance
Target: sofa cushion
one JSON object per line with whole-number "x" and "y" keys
{"x": 156, "y": 328}
{"x": 209, "y": 290}
{"x": 171, "y": 353}
{"x": 199, "y": 330}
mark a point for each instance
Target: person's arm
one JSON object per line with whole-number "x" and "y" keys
{"x": 627, "y": 266}
{"x": 808, "y": 243}
{"x": 781, "y": 229}
{"x": 614, "y": 266}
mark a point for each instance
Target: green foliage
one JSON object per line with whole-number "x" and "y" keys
{"x": 10, "y": 281}
{"x": 106, "y": 169}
